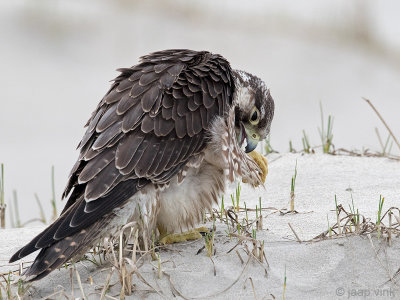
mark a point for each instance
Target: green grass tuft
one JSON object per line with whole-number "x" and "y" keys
{"x": 53, "y": 193}
{"x": 378, "y": 221}
{"x": 292, "y": 188}
{"x": 236, "y": 197}
{"x": 306, "y": 143}
{"x": 356, "y": 215}
{"x": 326, "y": 136}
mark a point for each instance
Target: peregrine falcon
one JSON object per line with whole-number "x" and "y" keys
{"x": 159, "y": 148}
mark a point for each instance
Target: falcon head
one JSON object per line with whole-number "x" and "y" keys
{"x": 254, "y": 109}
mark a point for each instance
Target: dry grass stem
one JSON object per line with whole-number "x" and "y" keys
{"x": 71, "y": 280}
{"x": 337, "y": 217}
{"x": 252, "y": 286}
{"x": 364, "y": 153}
{"x": 78, "y": 278}
{"x": 364, "y": 226}
{"x": 240, "y": 257}
{"x": 383, "y": 121}
{"x": 390, "y": 229}
{"x": 378, "y": 259}
{"x": 294, "y": 232}
{"x": 107, "y": 284}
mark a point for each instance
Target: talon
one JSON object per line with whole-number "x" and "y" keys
{"x": 262, "y": 162}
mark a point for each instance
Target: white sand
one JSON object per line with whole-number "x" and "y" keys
{"x": 314, "y": 270}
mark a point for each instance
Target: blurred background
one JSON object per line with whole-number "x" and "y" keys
{"x": 57, "y": 57}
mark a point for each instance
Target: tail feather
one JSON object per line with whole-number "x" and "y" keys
{"x": 51, "y": 258}
{"x": 76, "y": 230}
{"x": 32, "y": 245}
{"x": 88, "y": 213}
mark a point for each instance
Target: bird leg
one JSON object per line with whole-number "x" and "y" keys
{"x": 171, "y": 238}
{"x": 262, "y": 162}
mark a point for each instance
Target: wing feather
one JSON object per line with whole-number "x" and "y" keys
{"x": 126, "y": 103}
{"x": 124, "y": 85}
{"x": 166, "y": 157}
{"x": 163, "y": 127}
{"x": 94, "y": 166}
{"x": 148, "y": 78}
{"x": 99, "y": 185}
{"x": 130, "y": 168}
{"x": 132, "y": 119}
{"x": 156, "y": 162}
{"x": 138, "y": 90}
{"x": 196, "y": 122}
{"x": 147, "y": 124}
{"x": 189, "y": 125}
{"x": 151, "y": 122}
{"x": 106, "y": 136}
{"x": 148, "y": 157}
{"x": 168, "y": 100}
{"x": 127, "y": 148}
{"x": 150, "y": 97}
{"x": 113, "y": 96}
{"x": 180, "y": 144}
{"x": 181, "y": 107}
{"x": 108, "y": 118}
{"x": 180, "y": 127}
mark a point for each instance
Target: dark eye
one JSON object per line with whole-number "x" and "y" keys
{"x": 254, "y": 116}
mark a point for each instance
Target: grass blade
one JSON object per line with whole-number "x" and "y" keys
{"x": 383, "y": 121}
{"x": 53, "y": 200}
{"x": 2, "y": 204}
{"x": 16, "y": 209}
{"x": 42, "y": 215}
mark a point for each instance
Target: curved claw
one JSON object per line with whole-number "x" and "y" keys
{"x": 262, "y": 162}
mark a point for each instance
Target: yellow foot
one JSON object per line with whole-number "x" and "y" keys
{"x": 262, "y": 162}
{"x": 190, "y": 235}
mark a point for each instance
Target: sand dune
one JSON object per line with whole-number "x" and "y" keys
{"x": 355, "y": 267}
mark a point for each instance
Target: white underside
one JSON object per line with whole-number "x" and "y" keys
{"x": 177, "y": 207}
{"x": 182, "y": 205}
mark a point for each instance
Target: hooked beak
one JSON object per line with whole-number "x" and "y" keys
{"x": 252, "y": 137}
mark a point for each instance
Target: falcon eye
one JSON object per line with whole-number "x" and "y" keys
{"x": 255, "y": 116}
